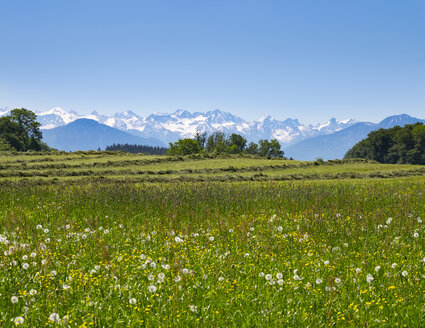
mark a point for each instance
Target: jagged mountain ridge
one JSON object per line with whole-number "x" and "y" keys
{"x": 182, "y": 124}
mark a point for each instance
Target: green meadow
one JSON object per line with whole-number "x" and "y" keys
{"x": 98, "y": 239}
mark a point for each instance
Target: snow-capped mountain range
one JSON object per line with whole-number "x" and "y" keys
{"x": 183, "y": 124}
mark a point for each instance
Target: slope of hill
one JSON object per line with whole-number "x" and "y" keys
{"x": 335, "y": 145}
{"x": 86, "y": 134}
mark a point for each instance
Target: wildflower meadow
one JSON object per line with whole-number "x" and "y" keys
{"x": 343, "y": 253}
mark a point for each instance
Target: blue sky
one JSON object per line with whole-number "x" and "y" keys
{"x": 310, "y": 60}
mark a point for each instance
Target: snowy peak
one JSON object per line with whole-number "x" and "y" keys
{"x": 182, "y": 124}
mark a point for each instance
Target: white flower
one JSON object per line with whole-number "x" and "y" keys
{"x": 33, "y": 254}
{"x": 389, "y": 220}
{"x": 268, "y": 276}
{"x": 279, "y": 228}
{"x": 404, "y": 273}
{"x": 143, "y": 257}
{"x": 393, "y": 265}
{"x": 67, "y": 226}
{"x": 326, "y": 263}
{"x": 193, "y": 308}
{"x": 369, "y": 278}
{"x": 93, "y": 271}
{"x": 33, "y": 292}
{"x": 416, "y": 235}
{"x": 211, "y": 238}
{"x": 319, "y": 281}
{"x": 337, "y": 280}
{"x": 161, "y": 275}
{"x": 358, "y": 270}
{"x": 152, "y": 264}
{"x": 220, "y": 279}
{"x": 185, "y": 271}
{"x": 177, "y": 278}
{"x": 251, "y": 229}
{"x": 297, "y": 277}
{"x": 279, "y": 275}
{"x": 14, "y": 299}
{"x": 66, "y": 287}
{"x": 230, "y": 230}
{"x": 151, "y": 277}
{"x": 132, "y": 301}
{"x": 205, "y": 277}
{"x": 178, "y": 240}
{"x": 53, "y": 273}
{"x": 261, "y": 274}
{"x": 419, "y": 220}
{"x": 54, "y": 317}
{"x": 280, "y": 282}
{"x": 39, "y": 226}
{"x": 46, "y": 230}
{"x": 18, "y": 320}
{"x": 152, "y": 288}
{"x": 84, "y": 236}
{"x": 166, "y": 266}
{"x": 25, "y": 257}
{"x": 377, "y": 268}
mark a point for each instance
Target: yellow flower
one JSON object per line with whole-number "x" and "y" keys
{"x": 391, "y": 287}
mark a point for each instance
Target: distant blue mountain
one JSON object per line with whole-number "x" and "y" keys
{"x": 86, "y": 134}
{"x": 335, "y": 145}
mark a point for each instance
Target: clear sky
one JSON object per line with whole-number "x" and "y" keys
{"x": 310, "y": 60}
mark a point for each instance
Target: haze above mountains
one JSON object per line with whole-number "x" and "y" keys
{"x": 67, "y": 130}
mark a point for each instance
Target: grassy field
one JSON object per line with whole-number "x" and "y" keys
{"x": 219, "y": 242}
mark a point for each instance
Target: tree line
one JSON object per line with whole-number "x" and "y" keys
{"x": 20, "y": 131}
{"x": 402, "y": 145}
{"x": 218, "y": 143}
{"x": 137, "y": 149}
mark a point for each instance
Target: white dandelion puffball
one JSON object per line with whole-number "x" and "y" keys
{"x": 279, "y": 275}
{"x": 14, "y": 299}
{"x": 178, "y": 240}
{"x": 404, "y": 273}
{"x": 369, "y": 278}
{"x": 152, "y": 288}
{"x": 279, "y": 228}
{"x": 132, "y": 301}
{"x": 326, "y": 263}
{"x": 337, "y": 280}
{"x": 280, "y": 282}
{"x": 416, "y": 235}
{"x": 33, "y": 292}
{"x": 220, "y": 279}
{"x": 25, "y": 266}
{"x": 25, "y": 257}
{"x": 261, "y": 274}
{"x": 389, "y": 220}
{"x": 177, "y": 278}
{"x": 54, "y": 317}
{"x": 151, "y": 277}
{"x": 393, "y": 265}
{"x": 161, "y": 275}
{"x": 377, "y": 268}
{"x": 319, "y": 281}
{"x": 185, "y": 271}
{"x": 211, "y": 238}
{"x": 358, "y": 270}
{"x": 18, "y": 320}
{"x": 268, "y": 276}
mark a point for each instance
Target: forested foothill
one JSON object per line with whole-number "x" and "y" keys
{"x": 20, "y": 131}
{"x": 397, "y": 145}
{"x": 137, "y": 149}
